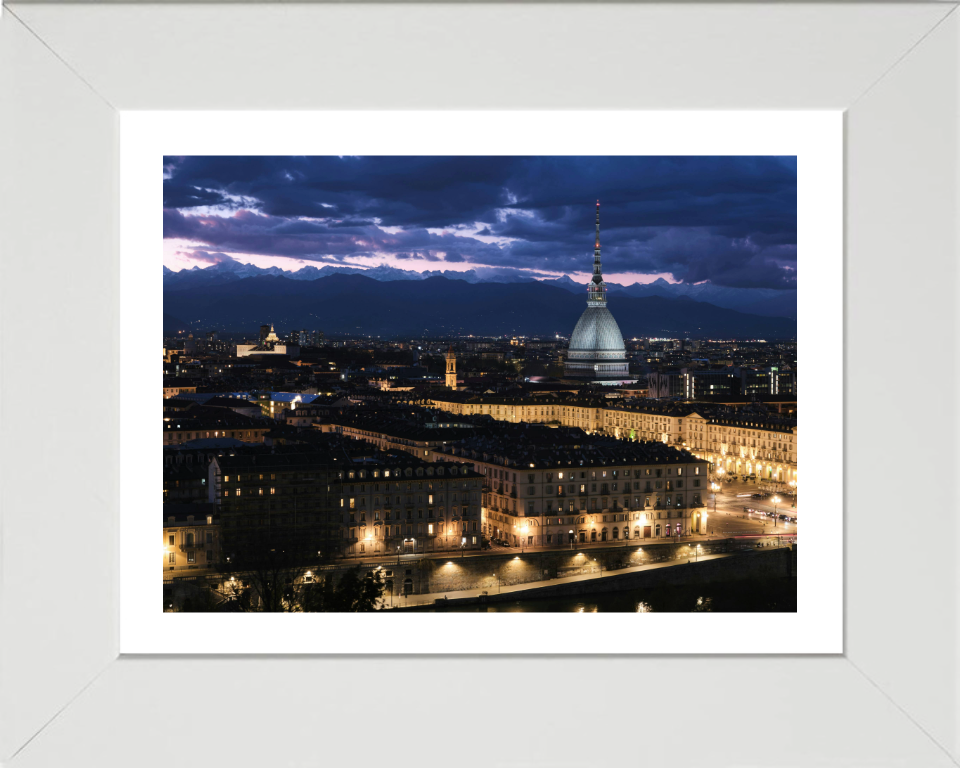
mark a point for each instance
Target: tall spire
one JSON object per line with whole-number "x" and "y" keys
{"x": 597, "y": 246}
{"x": 597, "y": 290}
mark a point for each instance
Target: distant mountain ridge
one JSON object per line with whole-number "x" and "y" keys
{"x": 761, "y": 301}
{"x": 173, "y": 324}
{"x": 356, "y": 304}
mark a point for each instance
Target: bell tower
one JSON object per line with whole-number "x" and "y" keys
{"x": 451, "y": 368}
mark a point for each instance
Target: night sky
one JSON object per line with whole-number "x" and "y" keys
{"x": 728, "y": 220}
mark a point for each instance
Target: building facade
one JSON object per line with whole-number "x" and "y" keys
{"x": 757, "y": 446}
{"x": 410, "y": 507}
{"x": 191, "y": 539}
{"x": 334, "y": 504}
{"x": 177, "y": 430}
{"x": 585, "y": 494}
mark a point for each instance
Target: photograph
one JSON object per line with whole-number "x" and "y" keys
{"x": 523, "y": 384}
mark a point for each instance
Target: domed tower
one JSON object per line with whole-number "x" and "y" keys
{"x": 597, "y": 351}
{"x": 451, "y": 368}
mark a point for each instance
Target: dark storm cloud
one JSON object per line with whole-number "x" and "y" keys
{"x": 211, "y": 258}
{"x": 188, "y": 196}
{"x": 729, "y": 220}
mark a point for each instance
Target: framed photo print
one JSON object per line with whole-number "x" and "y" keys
{"x": 482, "y": 339}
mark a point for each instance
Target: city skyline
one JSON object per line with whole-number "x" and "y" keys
{"x": 730, "y": 221}
{"x": 554, "y": 432}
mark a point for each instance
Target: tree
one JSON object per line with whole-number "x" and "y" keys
{"x": 269, "y": 565}
{"x": 351, "y": 594}
{"x": 203, "y": 600}
{"x": 272, "y": 560}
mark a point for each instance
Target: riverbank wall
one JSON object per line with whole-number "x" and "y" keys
{"x": 490, "y": 575}
{"x": 748, "y": 565}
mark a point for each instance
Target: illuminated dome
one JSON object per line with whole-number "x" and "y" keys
{"x": 597, "y": 335}
{"x": 597, "y": 350}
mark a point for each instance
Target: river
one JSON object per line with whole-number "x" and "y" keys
{"x": 751, "y": 596}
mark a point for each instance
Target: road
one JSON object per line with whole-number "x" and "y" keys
{"x": 431, "y": 598}
{"x": 730, "y": 517}
{"x": 732, "y": 525}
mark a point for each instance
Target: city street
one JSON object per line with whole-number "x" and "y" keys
{"x": 730, "y": 517}
{"x": 407, "y": 601}
{"x": 731, "y": 525}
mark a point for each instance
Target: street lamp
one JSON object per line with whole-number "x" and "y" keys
{"x": 571, "y": 539}
{"x": 463, "y": 542}
{"x": 696, "y": 557}
{"x": 715, "y": 487}
{"x": 776, "y": 502}
{"x": 523, "y": 532}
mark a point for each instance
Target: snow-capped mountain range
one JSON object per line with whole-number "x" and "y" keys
{"x": 760, "y": 301}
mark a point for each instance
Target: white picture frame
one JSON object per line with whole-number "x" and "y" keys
{"x": 66, "y": 71}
